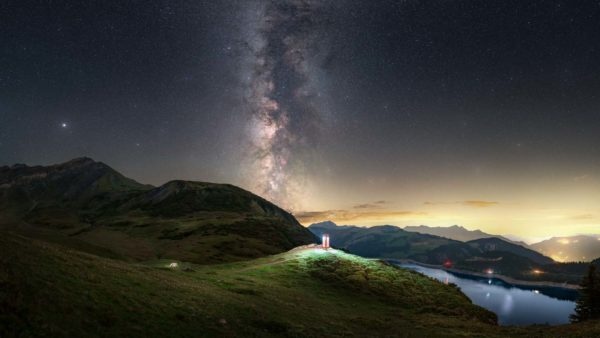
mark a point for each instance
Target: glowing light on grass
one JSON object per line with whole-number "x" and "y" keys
{"x": 173, "y": 265}
{"x": 325, "y": 241}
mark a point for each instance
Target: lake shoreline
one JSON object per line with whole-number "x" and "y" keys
{"x": 506, "y": 279}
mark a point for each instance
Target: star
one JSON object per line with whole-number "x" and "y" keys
{"x": 64, "y": 125}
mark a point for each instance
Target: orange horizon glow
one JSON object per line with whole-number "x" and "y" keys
{"x": 521, "y": 222}
{"x": 532, "y": 206}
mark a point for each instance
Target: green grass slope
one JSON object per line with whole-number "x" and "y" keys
{"x": 49, "y": 290}
{"x": 89, "y": 206}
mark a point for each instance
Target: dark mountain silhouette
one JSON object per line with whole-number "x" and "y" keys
{"x": 497, "y": 244}
{"x": 384, "y": 241}
{"x": 88, "y": 202}
{"x": 458, "y": 233}
{"x": 570, "y": 249}
{"x": 480, "y": 255}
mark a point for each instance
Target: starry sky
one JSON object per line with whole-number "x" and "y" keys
{"x": 480, "y": 113}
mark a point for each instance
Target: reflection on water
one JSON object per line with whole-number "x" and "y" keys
{"x": 514, "y": 305}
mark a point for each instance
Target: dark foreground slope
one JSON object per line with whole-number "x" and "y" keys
{"x": 49, "y": 290}
{"x": 89, "y": 206}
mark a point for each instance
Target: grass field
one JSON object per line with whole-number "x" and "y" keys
{"x": 49, "y": 290}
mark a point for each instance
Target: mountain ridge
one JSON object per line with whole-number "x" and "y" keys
{"x": 200, "y": 222}
{"x": 458, "y": 233}
{"x": 570, "y": 248}
{"x": 481, "y": 255}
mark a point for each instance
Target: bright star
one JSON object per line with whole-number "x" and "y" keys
{"x": 64, "y": 125}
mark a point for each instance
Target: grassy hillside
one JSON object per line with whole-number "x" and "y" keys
{"x": 86, "y": 204}
{"x": 48, "y": 290}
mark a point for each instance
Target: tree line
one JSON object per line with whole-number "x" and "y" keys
{"x": 588, "y": 303}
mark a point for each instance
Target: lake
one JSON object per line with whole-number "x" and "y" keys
{"x": 514, "y": 305}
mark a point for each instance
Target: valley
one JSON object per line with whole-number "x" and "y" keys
{"x": 488, "y": 254}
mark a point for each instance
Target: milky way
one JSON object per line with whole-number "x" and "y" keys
{"x": 320, "y": 106}
{"x": 284, "y": 119}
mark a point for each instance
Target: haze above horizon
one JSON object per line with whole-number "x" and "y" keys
{"x": 478, "y": 113}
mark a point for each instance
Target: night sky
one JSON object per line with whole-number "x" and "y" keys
{"x": 479, "y": 113}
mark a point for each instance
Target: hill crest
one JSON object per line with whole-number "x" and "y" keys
{"x": 88, "y": 201}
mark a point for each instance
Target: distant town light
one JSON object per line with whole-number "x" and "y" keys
{"x": 489, "y": 271}
{"x": 325, "y": 241}
{"x": 537, "y": 271}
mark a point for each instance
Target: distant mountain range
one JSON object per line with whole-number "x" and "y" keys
{"x": 581, "y": 248}
{"x": 88, "y": 205}
{"x": 387, "y": 241}
{"x": 570, "y": 249}
{"x": 457, "y": 233}
{"x": 478, "y": 255}
{"x": 384, "y": 241}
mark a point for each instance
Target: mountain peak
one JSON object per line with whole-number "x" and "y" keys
{"x": 455, "y": 232}
{"x": 325, "y": 224}
{"x": 76, "y": 162}
{"x": 81, "y": 160}
{"x": 73, "y": 181}
{"x": 217, "y": 222}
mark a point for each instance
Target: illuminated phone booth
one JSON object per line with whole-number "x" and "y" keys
{"x": 325, "y": 241}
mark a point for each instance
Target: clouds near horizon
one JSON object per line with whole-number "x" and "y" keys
{"x": 343, "y": 215}
{"x": 469, "y": 203}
